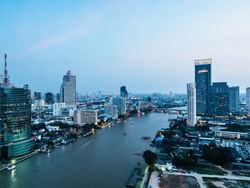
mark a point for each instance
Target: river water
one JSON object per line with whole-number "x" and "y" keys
{"x": 102, "y": 160}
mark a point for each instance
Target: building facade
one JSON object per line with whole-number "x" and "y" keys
{"x": 49, "y": 98}
{"x": 219, "y": 99}
{"x": 120, "y": 103}
{"x": 234, "y": 99}
{"x": 83, "y": 117}
{"x": 111, "y": 111}
{"x": 248, "y": 99}
{"x": 57, "y": 108}
{"x": 37, "y": 95}
{"x": 202, "y": 83}
{"x": 15, "y": 124}
{"x": 191, "y": 104}
{"x": 68, "y": 89}
{"x": 123, "y": 92}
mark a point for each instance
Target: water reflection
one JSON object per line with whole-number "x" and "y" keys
{"x": 90, "y": 162}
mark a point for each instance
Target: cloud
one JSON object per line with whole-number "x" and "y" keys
{"x": 81, "y": 28}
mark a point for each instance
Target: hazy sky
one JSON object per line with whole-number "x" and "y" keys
{"x": 148, "y": 45}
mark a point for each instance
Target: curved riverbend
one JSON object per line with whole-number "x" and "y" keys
{"x": 104, "y": 159}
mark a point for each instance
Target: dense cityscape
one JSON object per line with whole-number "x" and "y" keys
{"x": 207, "y": 140}
{"x": 115, "y": 94}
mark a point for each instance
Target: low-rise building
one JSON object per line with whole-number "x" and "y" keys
{"x": 232, "y": 135}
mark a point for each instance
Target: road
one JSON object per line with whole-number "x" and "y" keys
{"x": 199, "y": 177}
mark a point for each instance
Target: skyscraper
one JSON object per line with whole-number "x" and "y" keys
{"x": 15, "y": 114}
{"x": 202, "y": 83}
{"x": 191, "y": 104}
{"x": 49, "y": 98}
{"x": 123, "y": 92}
{"x": 120, "y": 102}
{"x": 15, "y": 120}
{"x": 219, "y": 99}
{"x": 37, "y": 95}
{"x": 234, "y": 99}
{"x": 68, "y": 89}
{"x": 248, "y": 98}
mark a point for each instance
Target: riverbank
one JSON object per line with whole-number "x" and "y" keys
{"x": 107, "y": 152}
{"x": 180, "y": 148}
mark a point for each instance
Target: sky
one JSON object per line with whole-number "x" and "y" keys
{"x": 147, "y": 45}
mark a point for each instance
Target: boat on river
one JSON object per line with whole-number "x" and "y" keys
{"x": 88, "y": 134}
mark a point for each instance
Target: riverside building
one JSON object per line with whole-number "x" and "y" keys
{"x": 68, "y": 89}
{"x": 191, "y": 104}
{"x": 15, "y": 119}
{"x": 202, "y": 83}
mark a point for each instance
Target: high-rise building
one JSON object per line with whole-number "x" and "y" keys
{"x": 111, "y": 111}
{"x": 219, "y": 99}
{"x": 68, "y": 89}
{"x": 58, "y": 98}
{"x": 15, "y": 124}
{"x": 234, "y": 99}
{"x": 191, "y": 104}
{"x": 120, "y": 102}
{"x": 248, "y": 99}
{"x": 15, "y": 120}
{"x": 202, "y": 83}
{"x": 49, "y": 98}
{"x": 37, "y": 95}
{"x": 123, "y": 92}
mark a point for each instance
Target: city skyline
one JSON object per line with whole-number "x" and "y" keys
{"x": 107, "y": 47}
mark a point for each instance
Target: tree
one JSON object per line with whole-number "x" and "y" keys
{"x": 50, "y": 144}
{"x": 149, "y": 157}
{"x": 39, "y": 126}
{"x": 186, "y": 159}
{"x": 217, "y": 155}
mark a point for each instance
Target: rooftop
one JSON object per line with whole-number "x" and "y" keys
{"x": 207, "y": 61}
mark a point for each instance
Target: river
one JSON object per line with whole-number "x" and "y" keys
{"x": 102, "y": 160}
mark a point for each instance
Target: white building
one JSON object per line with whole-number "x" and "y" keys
{"x": 38, "y": 104}
{"x": 191, "y": 104}
{"x": 232, "y": 135}
{"x": 120, "y": 102}
{"x": 57, "y": 108}
{"x": 82, "y": 117}
{"x": 248, "y": 99}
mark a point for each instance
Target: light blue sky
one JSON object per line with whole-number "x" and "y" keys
{"x": 148, "y": 45}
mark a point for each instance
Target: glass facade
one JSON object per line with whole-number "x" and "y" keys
{"x": 219, "y": 99}
{"x": 203, "y": 84}
{"x": 49, "y": 98}
{"x": 15, "y": 126}
{"x": 234, "y": 99}
{"x": 123, "y": 92}
{"x": 68, "y": 89}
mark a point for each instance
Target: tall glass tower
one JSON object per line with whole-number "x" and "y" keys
{"x": 15, "y": 120}
{"x": 68, "y": 89}
{"x": 248, "y": 99}
{"x": 202, "y": 83}
{"x": 123, "y": 92}
{"x": 234, "y": 99}
{"x": 219, "y": 99}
